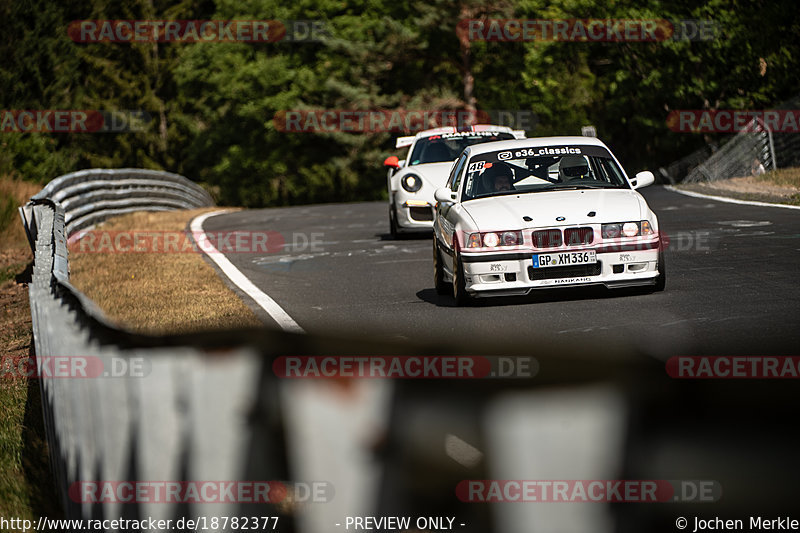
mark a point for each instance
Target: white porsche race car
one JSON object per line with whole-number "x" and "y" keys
{"x": 538, "y": 213}
{"x": 412, "y": 181}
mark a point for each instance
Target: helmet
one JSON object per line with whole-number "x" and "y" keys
{"x": 572, "y": 167}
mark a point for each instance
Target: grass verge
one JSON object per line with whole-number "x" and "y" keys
{"x": 157, "y": 293}
{"x": 780, "y": 186}
{"x": 26, "y": 485}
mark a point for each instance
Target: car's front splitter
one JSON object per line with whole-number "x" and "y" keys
{"x": 515, "y": 274}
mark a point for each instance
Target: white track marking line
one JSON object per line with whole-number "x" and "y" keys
{"x": 269, "y": 305}
{"x": 729, "y": 200}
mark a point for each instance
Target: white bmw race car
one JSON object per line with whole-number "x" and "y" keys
{"x": 412, "y": 181}
{"x": 537, "y": 213}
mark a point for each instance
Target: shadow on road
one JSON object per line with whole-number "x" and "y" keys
{"x": 420, "y": 236}
{"x": 536, "y": 297}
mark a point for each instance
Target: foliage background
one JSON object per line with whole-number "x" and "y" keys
{"x": 212, "y": 103}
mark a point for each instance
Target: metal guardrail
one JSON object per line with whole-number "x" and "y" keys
{"x": 90, "y": 196}
{"x": 152, "y": 427}
{"x": 210, "y": 407}
{"x": 751, "y": 151}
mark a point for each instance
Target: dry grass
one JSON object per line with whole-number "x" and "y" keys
{"x": 15, "y": 342}
{"x": 786, "y": 177}
{"x": 13, "y": 193}
{"x": 25, "y": 483}
{"x": 158, "y": 293}
{"x": 780, "y": 186}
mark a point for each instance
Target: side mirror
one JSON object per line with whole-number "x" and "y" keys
{"x": 643, "y": 179}
{"x": 444, "y": 195}
{"x": 392, "y": 161}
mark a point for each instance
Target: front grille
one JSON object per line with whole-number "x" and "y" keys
{"x": 547, "y": 238}
{"x": 423, "y": 214}
{"x": 572, "y": 271}
{"x": 575, "y": 236}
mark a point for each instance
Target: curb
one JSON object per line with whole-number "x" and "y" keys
{"x": 728, "y": 200}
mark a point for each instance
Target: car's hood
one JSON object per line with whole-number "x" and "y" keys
{"x": 544, "y": 208}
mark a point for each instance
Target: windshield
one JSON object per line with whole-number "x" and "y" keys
{"x": 448, "y": 146}
{"x": 543, "y": 168}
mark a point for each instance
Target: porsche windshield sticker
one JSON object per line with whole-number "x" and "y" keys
{"x": 470, "y": 134}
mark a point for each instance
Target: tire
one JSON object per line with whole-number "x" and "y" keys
{"x": 441, "y": 287}
{"x": 661, "y": 280}
{"x": 393, "y": 222}
{"x": 460, "y": 294}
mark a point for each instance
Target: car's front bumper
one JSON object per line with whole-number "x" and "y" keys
{"x": 498, "y": 274}
{"x": 413, "y": 213}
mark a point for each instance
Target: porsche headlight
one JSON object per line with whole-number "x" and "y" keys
{"x": 411, "y": 182}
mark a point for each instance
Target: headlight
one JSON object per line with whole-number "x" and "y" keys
{"x": 611, "y": 231}
{"x": 411, "y": 182}
{"x": 630, "y": 229}
{"x": 511, "y": 238}
{"x": 492, "y": 239}
{"x": 626, "y": 229}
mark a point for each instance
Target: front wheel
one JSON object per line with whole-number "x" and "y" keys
{"x": 438, "y": 271}
{"x": 661, "y": 280}
{"x": 393, "y": 222}
{"x": 459, "y": 285}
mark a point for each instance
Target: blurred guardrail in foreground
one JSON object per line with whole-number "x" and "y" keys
{"x": 210, "y": 407}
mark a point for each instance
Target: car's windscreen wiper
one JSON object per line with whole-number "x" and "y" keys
{"x": 576, "y": 186}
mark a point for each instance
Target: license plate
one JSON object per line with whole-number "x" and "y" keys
{"x": 564, "y": 259}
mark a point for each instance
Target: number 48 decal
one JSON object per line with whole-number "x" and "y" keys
{"x": 476, "y": 166}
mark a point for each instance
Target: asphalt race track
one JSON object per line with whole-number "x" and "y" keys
{"x": 732, "y": 282}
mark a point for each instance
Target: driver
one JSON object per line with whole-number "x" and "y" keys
{"x": 500, "y": 176}
{"x": 572, "y": 167}
{"x": 502, "y": 182}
